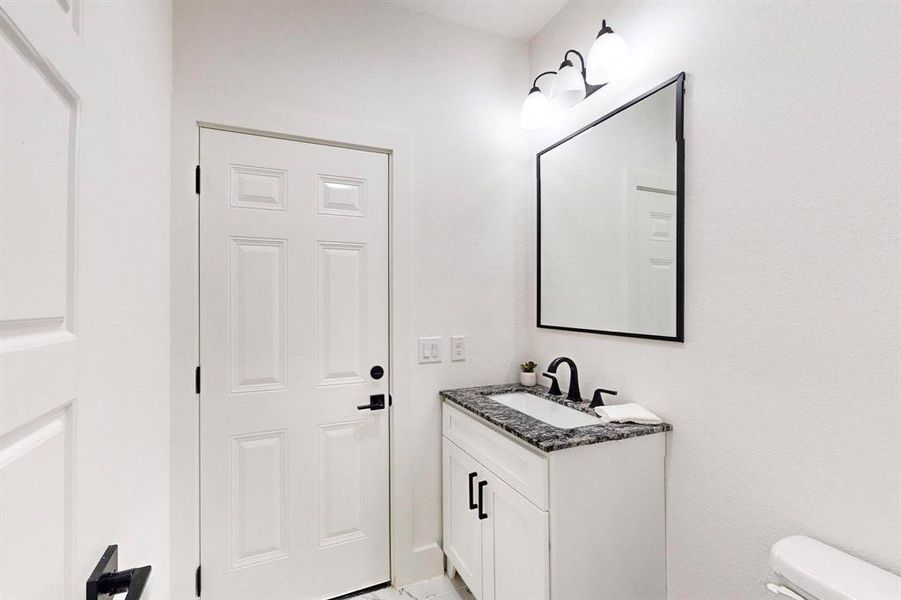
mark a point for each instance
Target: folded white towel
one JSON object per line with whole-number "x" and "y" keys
{"x": 627, "y": 413}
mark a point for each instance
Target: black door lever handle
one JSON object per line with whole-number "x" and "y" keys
{"x": 106, "y": 581}
{"x": 376, "y": 402}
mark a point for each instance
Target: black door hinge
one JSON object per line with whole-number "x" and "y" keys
{"x": 197, "y": 581}
{"x": 197, "y": 380}
{"x": 197, "y": 180}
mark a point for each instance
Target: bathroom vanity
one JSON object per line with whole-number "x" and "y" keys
{"x": 534, "y": 511}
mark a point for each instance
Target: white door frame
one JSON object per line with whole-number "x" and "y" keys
{"x": 408, "y": 563}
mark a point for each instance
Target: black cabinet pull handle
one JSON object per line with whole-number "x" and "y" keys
{"x": 482, "y": 515}
{"x": 472, "y": 504}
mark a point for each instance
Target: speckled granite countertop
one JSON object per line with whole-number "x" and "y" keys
{"x": 538, "y": 433}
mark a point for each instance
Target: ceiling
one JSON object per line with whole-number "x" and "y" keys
{"x": 514, "y": 19}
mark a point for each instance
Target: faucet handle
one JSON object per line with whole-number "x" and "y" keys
{"x": 555, "y": 386}
{"x": 597, "y": 400}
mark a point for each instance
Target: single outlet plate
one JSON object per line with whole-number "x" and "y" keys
{"x": 458, "y": 348}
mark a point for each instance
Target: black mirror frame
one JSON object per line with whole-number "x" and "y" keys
{"x": 679, "y": 81}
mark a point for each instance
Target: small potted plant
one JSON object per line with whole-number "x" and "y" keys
{"x": 527, "y": 375}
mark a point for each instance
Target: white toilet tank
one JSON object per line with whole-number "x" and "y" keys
{"x": 821, "y": 572}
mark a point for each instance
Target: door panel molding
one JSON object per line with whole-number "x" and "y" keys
{"x": 259, "y": 498}
{"x": 257, "y": 307}
{"x": 341, "y": 270}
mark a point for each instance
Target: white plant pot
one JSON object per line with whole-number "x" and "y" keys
{"x": 528, "y": 379}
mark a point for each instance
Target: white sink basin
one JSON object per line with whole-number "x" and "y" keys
{"x": 557, "y": 415}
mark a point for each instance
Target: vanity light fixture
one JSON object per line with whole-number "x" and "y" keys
{"x": 606, "y": 60}
{"x": 608, "y": 56}
{"x": 536, "y": 108}
{"x": 568, "y": 88}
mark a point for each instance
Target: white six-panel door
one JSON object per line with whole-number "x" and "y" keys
{"x": 40, "y": 71}
{"x": 294, "y": 314}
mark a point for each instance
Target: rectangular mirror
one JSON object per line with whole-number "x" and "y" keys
{"x": 610, "y": 222}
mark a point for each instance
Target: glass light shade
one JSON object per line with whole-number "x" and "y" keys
{"x": 535, "y": 110}
{"x": 568, "y": 89}
{"x": 607, "y": 59}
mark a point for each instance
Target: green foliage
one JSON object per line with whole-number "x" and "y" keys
{"x": 528, "y": 367}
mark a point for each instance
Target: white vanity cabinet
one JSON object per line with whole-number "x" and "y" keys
{"x": 581, "y": 523}
{"x": 499, "y": 543}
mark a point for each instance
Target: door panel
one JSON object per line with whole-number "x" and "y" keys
{"x": 462, "y": 528}
{"x": 257, "y": 304}
{"x": 39, "y": 348}
{"x": 258, "y": 482}
{"x": 342, "y": 301}
{"x": 343, "y": 484}
{"x": 294, "y": 313}
{"x": 515, "y": 547}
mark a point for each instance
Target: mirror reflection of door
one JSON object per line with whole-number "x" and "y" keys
{"x": 651, "y": 235}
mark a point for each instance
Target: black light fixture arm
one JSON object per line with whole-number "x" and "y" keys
{"x": 577, "y": 53}
{"x": 540, "y": 75}
{"x": 589, "y": 88}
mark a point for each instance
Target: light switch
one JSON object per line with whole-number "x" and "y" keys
{"x": 458, "y": 348}
{"x": 429, "y": 350}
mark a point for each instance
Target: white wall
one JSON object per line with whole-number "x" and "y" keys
{"x": 785, "y": 396}
{"x": 122, "y": 478}
{"x": 447, "y": 99}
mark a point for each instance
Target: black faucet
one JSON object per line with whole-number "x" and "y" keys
{"x": 574, "y": 393}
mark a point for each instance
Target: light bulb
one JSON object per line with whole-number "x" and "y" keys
{"x": 569, "y": 87}
{"x": 535, "y": 110}
{"x": 608, "y": 57}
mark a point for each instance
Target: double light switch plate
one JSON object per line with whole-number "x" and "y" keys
{"x": 430, "y": 349}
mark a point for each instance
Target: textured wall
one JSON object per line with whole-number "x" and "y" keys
{"x": 785, "y": 396}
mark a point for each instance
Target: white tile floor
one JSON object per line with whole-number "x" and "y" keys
{"x": 438, "y": 588}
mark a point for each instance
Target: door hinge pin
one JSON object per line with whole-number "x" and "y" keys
{"x": 197, "y": 581}
{"x": 197, "y": 180}
{"x": 197, "y": 380}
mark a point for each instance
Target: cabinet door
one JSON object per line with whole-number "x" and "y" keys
{"x": 462, "y": 528}
{"x": 514, "y": 545}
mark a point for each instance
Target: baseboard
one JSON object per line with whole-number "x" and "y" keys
{"x": 424, "y": 562}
